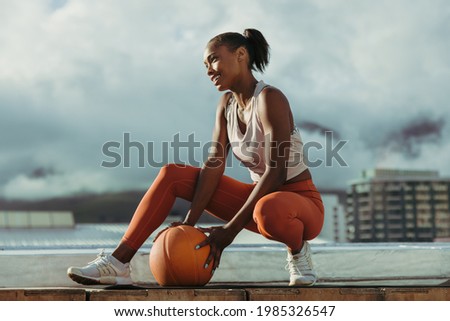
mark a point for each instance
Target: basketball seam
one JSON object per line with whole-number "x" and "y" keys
{"x": 166, "y": 258}
{"x": 188, "y": 240}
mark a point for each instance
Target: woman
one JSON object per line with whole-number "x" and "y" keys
{"x": 256, "y": 121}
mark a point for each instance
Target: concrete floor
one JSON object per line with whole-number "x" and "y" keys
{"x": 252, "y": 268}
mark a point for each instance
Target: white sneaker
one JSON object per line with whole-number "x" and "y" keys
{"x": 301, "y": 268}
{"x": 105, "y": 269}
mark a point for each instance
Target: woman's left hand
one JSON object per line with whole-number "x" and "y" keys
{"x": 218, "y": 239}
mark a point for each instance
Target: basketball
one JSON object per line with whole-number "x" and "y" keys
{"x": 174, "y": 261}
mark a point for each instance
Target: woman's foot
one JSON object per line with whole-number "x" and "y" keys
{"x": 105, "y": 269}
{"x": 301, "y": 268}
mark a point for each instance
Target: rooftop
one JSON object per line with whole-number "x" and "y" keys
{"x": 37, "y": 247}
{"x": 389, "y": 173}
{"x": 404, "y": 175}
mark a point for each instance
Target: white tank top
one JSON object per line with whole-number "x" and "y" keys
{"x": 248, "y": 147}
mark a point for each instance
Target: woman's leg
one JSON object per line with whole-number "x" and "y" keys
{"x": 289, "y": 218}
{"x": 178, "y": 181}
{"x": 173, "y": 181}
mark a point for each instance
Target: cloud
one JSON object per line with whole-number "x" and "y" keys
{"x": 26, "y": 187}
{"x": 77, "y": 74}
{"x": 41, "y": 172}
{"x": 311, "y": 126}
{"x": 409, "y": 139}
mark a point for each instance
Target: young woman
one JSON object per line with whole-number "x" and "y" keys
{"x": 256, "y": 122}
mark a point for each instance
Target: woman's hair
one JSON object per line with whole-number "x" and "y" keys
{"x": 253, "y": 40}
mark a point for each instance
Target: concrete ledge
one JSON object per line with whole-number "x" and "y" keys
{"x": 168, "y": 295}
{"x": 39, "y": 294}
{"x": 316, "y": 294}
{"x": 231, "y": 294}
{"x": 350, "y": 294}
{"x": 417, "y": 294}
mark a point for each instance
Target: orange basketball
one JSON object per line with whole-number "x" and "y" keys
{"x": 174, "y": 261}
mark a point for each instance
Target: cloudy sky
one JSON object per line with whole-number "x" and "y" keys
{"x": 78, "y": 74}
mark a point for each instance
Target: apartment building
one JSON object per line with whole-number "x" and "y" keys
{"x": 389, "y": 205}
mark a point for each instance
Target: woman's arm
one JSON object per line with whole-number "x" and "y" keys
{"x": 275, "y": 115}
{"x": 213, "y": 167}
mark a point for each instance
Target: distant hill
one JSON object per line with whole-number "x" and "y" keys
{"x": 117, "y": 207}
{"x": 95, "y": 208}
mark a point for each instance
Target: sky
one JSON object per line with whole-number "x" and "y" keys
{"x": 81, "y": 77}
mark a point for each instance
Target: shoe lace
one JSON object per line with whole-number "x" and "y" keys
{"x": 101, "y": 259}
{"x": 298, "y": 264}
{"x": 290, "y": 265}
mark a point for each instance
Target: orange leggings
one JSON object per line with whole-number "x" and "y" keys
{"x": 290, "y": 215}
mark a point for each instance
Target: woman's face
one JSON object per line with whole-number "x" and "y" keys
{"x": 223, "y": 66}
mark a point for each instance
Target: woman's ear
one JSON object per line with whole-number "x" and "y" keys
{"x": 241, "y": 53}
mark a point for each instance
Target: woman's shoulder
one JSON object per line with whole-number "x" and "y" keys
{"x": 226, "y": 99}
{"x": 273, "y": 107}
{"x": 271, "y": 95}
{"x": 271, "y": 92}
{"x": 224, "y": 104}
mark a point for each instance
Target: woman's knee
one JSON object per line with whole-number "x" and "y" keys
{"x": 267, "y": 209}
{"x": 180, "y": 179}
{"x": 173, "y": 170}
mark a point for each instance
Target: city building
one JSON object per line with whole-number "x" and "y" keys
{"x": 334, "y": 229}
{"x": 36, "y": 219}
{"x": 388, "y": 205}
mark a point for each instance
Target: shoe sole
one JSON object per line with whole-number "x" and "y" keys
{"x": 302, "y": 284}
{"x": 88, "y": 281}
{"x": 83, "y": 280}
